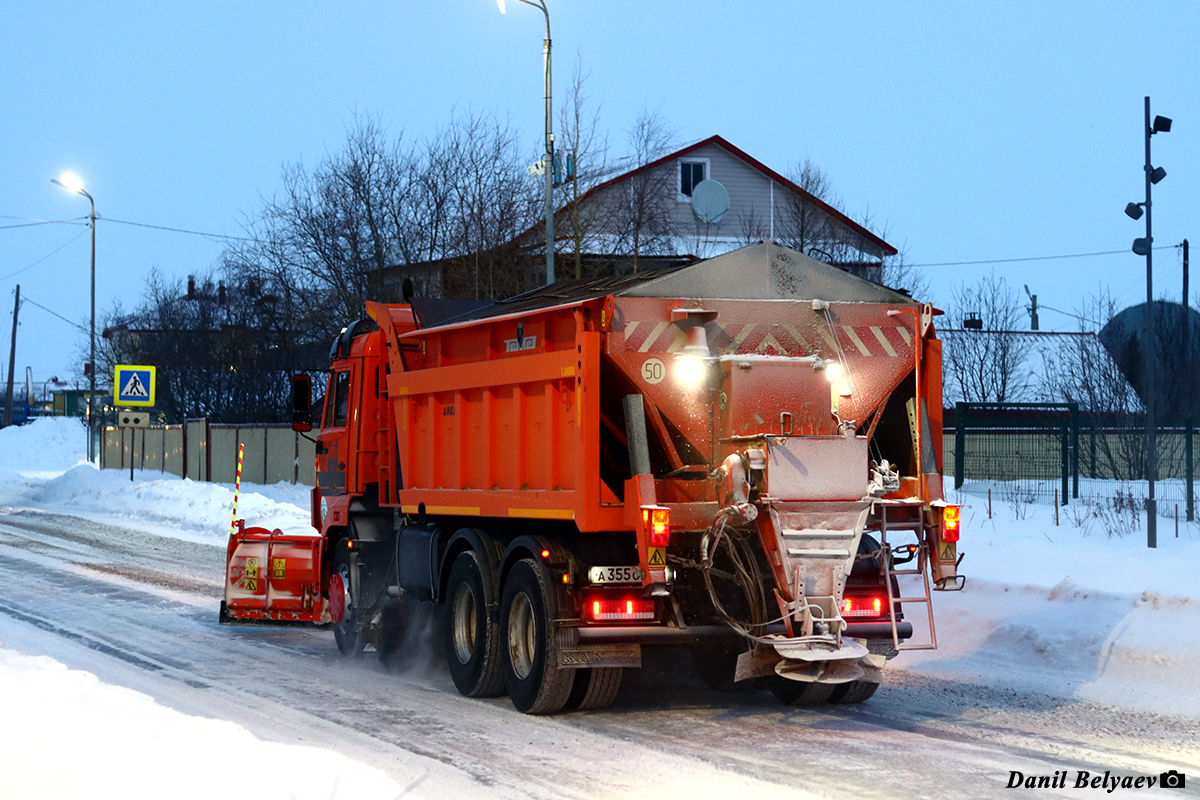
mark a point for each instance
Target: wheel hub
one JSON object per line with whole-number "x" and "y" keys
{"x": 338, "y": 598}
{"x": 522, "y": 636}
{"x": 464, "y": 622}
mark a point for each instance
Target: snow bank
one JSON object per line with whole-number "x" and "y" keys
{"x": 78, "y": 737}
{"x": 43, "y": 466}
{"x": 45, "y": 447}
{"x": 1071, "y": 611}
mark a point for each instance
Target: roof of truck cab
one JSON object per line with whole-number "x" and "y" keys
{"x": 762, "y": 271}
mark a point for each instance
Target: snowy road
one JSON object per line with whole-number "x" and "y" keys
{"x": 140, "y": 611}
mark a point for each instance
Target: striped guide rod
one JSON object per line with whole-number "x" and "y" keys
{"x": 237, "y": 486}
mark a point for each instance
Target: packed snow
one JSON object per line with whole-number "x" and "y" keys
{"x": 1079, "y": 608}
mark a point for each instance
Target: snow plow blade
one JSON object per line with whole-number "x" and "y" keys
{"x": 273, "y": 578}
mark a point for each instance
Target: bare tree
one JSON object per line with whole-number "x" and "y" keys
{"x": 489, "y": 203}
{"x": 333, "y": 228}
{"x": 1078, "y": 369}
{"x": 584, "y": 149}
{"x": 216, "y": 346}
{"x": 804, "y": 225}
{"x": 988, "y": 364}
{"x": 642, "y": 211}
{"x": 897, "y": 271}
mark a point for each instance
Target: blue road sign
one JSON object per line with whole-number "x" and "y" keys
{"x": 134, "y": 385}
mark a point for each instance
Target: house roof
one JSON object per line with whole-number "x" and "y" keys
{"x": 753, "y": 162}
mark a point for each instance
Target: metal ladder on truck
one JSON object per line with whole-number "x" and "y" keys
{"x": 916, "y": 526}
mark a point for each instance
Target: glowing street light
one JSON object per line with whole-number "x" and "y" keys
{"x": 548, "y": 158}
{"x": 72, "y": 183}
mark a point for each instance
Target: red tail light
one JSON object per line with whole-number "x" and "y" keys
{"x": 951, "y": 516}
{"x": 658, "y": 525}
{"x": 619, "y": 609}
{"x": 863, "y": 607}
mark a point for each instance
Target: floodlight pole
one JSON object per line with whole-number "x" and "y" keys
{"x": 1151, "y": 350}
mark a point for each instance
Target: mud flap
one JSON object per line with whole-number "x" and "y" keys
{"x": 573, "y": 654}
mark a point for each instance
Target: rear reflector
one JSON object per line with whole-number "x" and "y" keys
{"x": 862, "y": 607}
{"x": 620, "y": 609}
{"x": 951, "y": 517}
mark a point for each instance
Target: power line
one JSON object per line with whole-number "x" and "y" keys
{"x": 1035, "y": 258}
{"x": 43, "y": 258}
{"x": 177, "y": 230}
{"x": 55, "y": 313}
{"x": 28, "y": 223}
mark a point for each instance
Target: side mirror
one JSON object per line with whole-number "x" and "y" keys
{"x": 301, "y": 403}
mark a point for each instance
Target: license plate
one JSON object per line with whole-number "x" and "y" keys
{"x": 615, "y": 575}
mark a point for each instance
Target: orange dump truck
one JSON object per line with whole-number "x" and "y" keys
{"x": 734, "y": 456}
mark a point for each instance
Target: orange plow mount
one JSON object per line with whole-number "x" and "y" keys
{"x": 273, "y": 578}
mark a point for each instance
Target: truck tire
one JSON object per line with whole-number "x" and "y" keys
{"x": 535, "y": 683}
{"x": 472, "y": 637}
{"x": 594, "y": 689}
{"x": 801, "y": 693}
{"x": 853, "y": 692}
{"x": 716, "y": 664}
{"x": 348, "y": 633}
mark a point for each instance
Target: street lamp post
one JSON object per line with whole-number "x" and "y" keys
{"x": 73, "y": 184}
{"x": 548, "y": 157}
{"x": 1145, "y": 247}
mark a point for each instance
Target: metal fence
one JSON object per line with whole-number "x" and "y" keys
{"x": 208, "y": 452}
{"x": 1040, "y": 451}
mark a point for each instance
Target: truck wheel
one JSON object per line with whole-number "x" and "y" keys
{"x": 594, "y": 688}
{"x": 716, "y": 663}
{"x": 535, "y": 683}
{"x": 472, "y": 637}
{"x": 347, "y": 632}
{"x": 801, "y": 693}
{"x": 853, "y": 692}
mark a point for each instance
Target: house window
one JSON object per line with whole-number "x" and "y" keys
{"x": 690, "y": 174}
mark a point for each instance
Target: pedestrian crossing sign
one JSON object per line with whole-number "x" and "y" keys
{"x": 134, "y": 385}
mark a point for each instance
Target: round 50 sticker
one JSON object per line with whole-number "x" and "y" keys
{"x": 653, "y": 370}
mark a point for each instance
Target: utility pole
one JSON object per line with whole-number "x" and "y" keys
{"x": 1186, "y": 304}
{"x": 12, "y": 360}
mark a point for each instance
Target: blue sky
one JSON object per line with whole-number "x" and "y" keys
{"x": 974, "y": 131}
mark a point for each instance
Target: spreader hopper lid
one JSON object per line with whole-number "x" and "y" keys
{"x": 765, "y": 271}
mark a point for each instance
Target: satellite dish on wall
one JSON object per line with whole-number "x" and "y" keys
{"x": 710, "y": 201}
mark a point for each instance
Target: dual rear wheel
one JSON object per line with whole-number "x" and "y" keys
{"x": 519, "y": 651}
{"x": 801, "y": 693}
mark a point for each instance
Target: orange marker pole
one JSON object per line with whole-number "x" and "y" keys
{"x": 236, "y": 488}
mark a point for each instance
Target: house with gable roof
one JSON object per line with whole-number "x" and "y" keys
{"x": 704, "y": 200}
{"x": 698, "y": 202}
